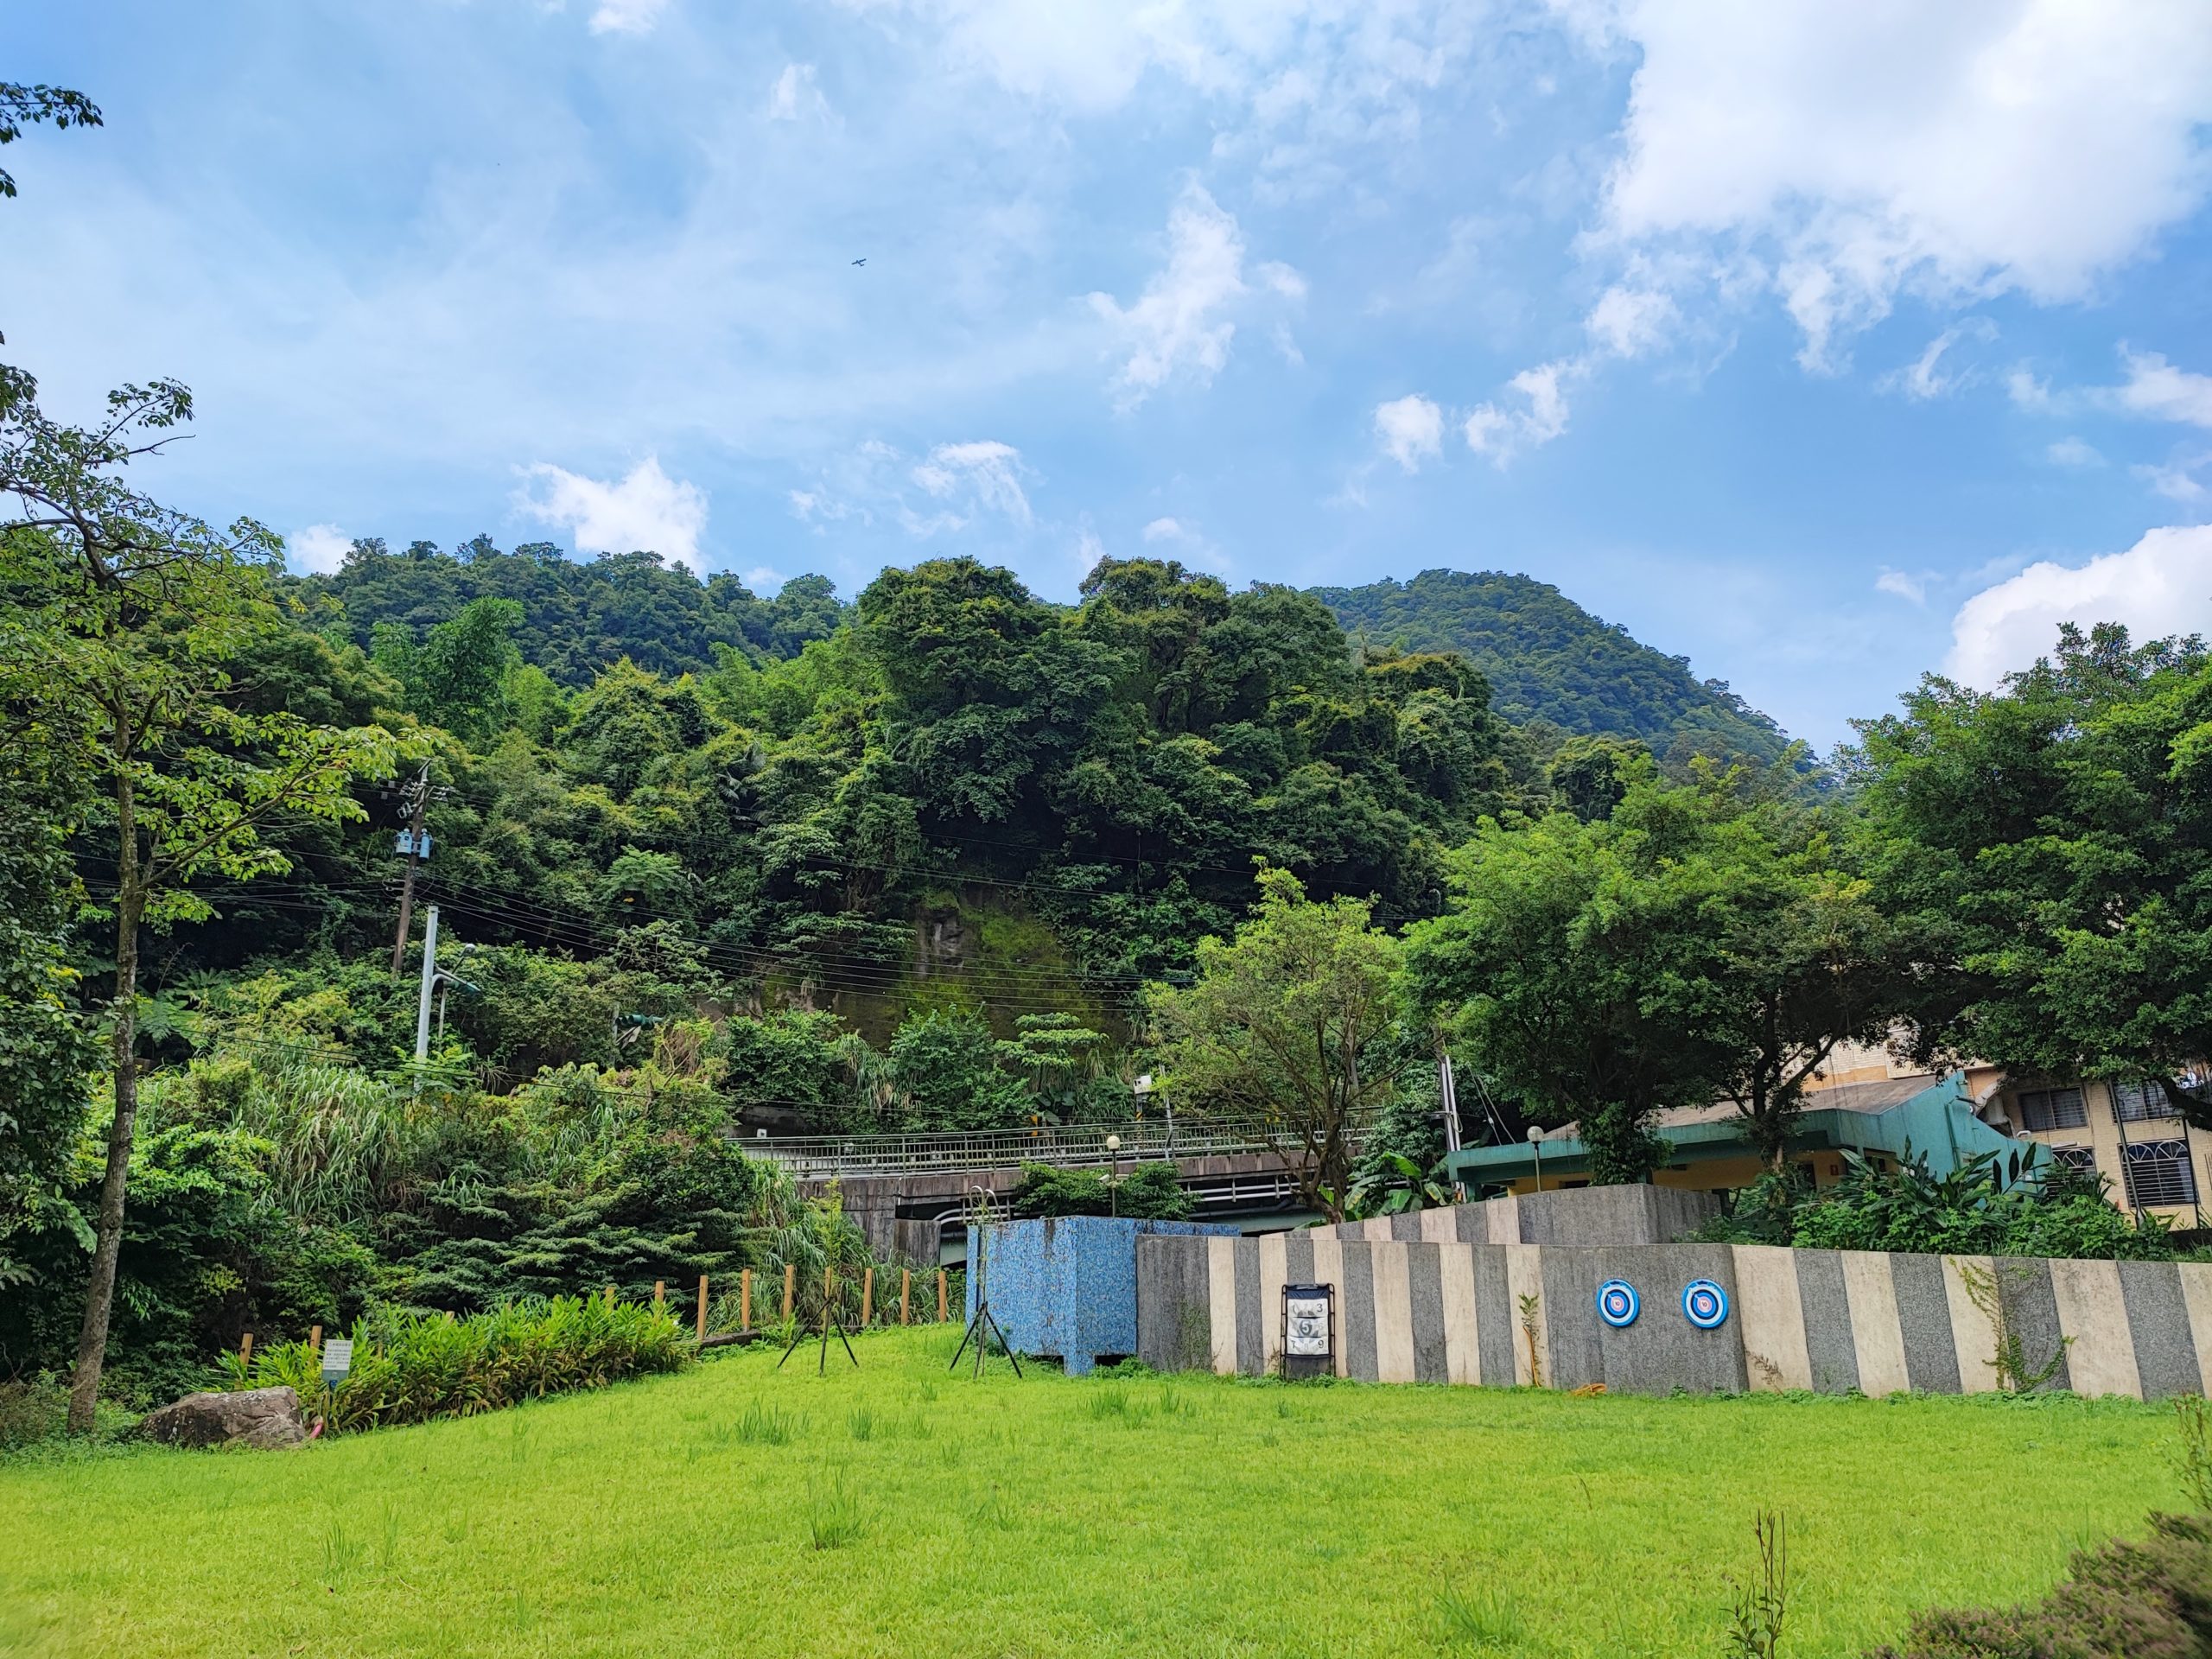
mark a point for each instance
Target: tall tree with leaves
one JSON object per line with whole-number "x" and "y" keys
{"x": 2053, "y": 841}
{"x": 1293, "y": 1021}
{"x": 22, "y": 107}
{"x": 127, "y": 613}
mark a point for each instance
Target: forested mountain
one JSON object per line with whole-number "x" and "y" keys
{"x": 578, "y": 618}
{"x": 1549, "y": 660}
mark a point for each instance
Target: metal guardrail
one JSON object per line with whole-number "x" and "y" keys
{"x": 822, "y": 1157}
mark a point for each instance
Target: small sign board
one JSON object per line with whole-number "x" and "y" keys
{"x": 337, "y": 1360}
{"x": 1309, "y": 1330}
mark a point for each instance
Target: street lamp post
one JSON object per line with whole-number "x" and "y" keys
{"x": 1536, "y": 1145}
{"x": 1112, "y": 1175}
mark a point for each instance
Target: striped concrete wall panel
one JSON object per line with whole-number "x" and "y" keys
{"x": 1251, "y": 1315}
{"x": 1663, "y": 1351}
{"x": 1422, "y": 1311}
{"x": 1876, "y": 1336}
{"x": 2196, "y": 1296}
{"x": 1174, "y": 1318}
{"x": 1391, "y": 1273}
{"x": 1424, "y": 1297}
{"x": 1575, "y": 1355}
{"x": 1498, "y": 1332}
{"x": 2102, "y": 1359}
{"x": 1970, "y": 1290}
{"x": 1831, "y": 1355}
{"x": 1462, "y": 1312}
{"x": 1329, "y": 1269}
{"x": 1925, "y": 1321}
{"x": 1221, "y": 1304}
{"x": 1357, "y": 1299}
{"x": 1524, "y": 1299}
{"x": 1272, "y": 1254}
{"x": 1771, "y": 1311}
{"x": 2166, "y": 1362}
{"x": 2031, "y": 1315}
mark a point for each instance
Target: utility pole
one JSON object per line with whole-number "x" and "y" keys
{"x": 419, "y": 790}
{"x": 429, "y": 981}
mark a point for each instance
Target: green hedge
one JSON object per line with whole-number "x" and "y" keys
{"x": 410, "y": 1367}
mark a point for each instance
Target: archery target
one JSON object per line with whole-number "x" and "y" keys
{"x": 1705, "y": 1304}
{"x": 1618, "y": 1303}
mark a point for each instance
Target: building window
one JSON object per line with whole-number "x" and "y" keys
{"x": 2139, "y": 1103}
{"x": 2081, "y": 1158}
{"x": 2158, "y": 1173}
{"x": 2053, "y": 1109}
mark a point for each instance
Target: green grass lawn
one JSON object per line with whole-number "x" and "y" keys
{"x": 898, "y": 1510}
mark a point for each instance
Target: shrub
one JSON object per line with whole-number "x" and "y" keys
{"x": 2151, "y": 1600}
{"x": 1148, "y": 1193}
{"x": 410, "y": 1366}
{"x": 1982, "y": 1208}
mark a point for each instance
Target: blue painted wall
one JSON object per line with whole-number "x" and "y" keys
{"x": 1066, "y": 1287}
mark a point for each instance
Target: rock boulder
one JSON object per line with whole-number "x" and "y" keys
{"x": 259, "y": 1417}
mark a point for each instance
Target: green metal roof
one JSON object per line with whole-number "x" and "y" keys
{"x": 1937, "y": 1124}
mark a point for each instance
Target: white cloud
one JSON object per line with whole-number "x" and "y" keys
{"x": 2072, "y": 452}
{"x": 763, "y": 580}
{"x": 2178, "y": 480}
{"x": 1167, "y": 529}
{"x": 1502, "y": 434}
{"x": 2161, "y": 586}
{"x": 1629, "y": 321}
{"x": 319, "y": 549}
{"x": 1181, "y": 325}
{"x": 1857, "y": 149}
{"x": 626, "y": 16}
{"x": 1088, "y": 551}
{"x": 2156, "y": 388}
{"x": 2026, "y": 391}
{"x": 796, "y": 94}
{"x": 989, "y": 470}
{"x": 1924, "y": 378}
{"x": 1411, "y": 428}
{"x": 1902, "y": 584}
{"x": 647, "y": 509}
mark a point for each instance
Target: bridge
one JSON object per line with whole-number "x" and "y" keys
{"x": 910, "y": 1194}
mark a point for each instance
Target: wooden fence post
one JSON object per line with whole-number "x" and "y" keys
{"x": 867, "y": 1296}
{"x": 245, "y": 1348}
{"x": 905, "y": 1289}
{"x": 745, "y": 1299}
{"x": 660, "y": 1293}
{"x": 314, "y": 1340}
{"x": 790, "y": 1285}
{"x": 702, "y": 1307}
{"x": 941, "y": 1316}
{"x": 610, "y": 1295}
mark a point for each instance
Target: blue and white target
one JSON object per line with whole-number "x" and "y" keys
{"x": 1705, "y": 1304}
{"x": 1618, "y": 1303}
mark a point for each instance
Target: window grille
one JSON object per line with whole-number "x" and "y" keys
{"x": 2081, "y": 1158}
{"x": 2053, "y": 1109}
{"x": 2158, "y": 1173}
{"x": 2139, "y": 1103}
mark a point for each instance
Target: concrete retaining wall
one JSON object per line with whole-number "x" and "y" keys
{"x": 1587, "y": 1215}
{"x": 1825, "y": 1321}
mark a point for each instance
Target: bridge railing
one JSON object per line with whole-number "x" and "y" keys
{"x": 822, "y": 1157}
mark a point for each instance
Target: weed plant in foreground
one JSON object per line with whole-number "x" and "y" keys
{"x": 895, "y": 1510}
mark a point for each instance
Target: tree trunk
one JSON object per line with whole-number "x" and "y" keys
{"x": 99, "y": 1294}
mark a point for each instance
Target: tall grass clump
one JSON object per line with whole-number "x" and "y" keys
{"x": 409, "y": 1368}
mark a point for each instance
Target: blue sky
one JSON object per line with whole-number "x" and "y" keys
{"x": 1823, "y": 343}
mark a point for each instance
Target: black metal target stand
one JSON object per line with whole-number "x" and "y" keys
{"x": 983, "y": 1326}
{"x": 829, "y": 1318}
